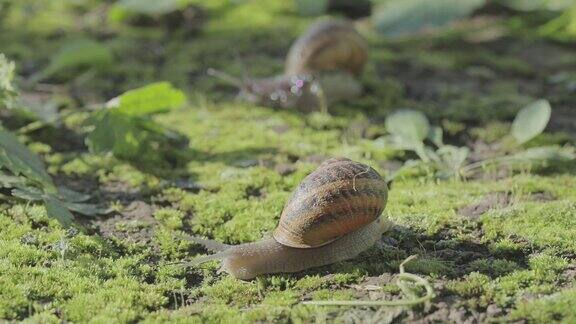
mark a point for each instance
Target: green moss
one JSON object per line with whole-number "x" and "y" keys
{"x": 169, "y": 247}
{"x": 171, "y": 218}
{"x": 310, "y": 283}
{"x": 474, "y": 284}
{"x": 327, "y": 294}
{"x": 105, "y": 305}
{"x": 491, "y": 132}
{"x": 553, "y": 308}
{"x": 230, "y": 290}
{"x": 545, "y": 224}
{"x": 506, "y": 247}
{"x": 429, "y": 266}
{"x": 493, "y": 268}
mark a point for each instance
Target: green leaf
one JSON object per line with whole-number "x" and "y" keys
{"x": 153, "y": 98}
{"x": 311, "y": 7}
{"x": 77, "y": 54}
{"x": 56, "y": 209}
{"x": 129, "y": 137}
{"x": 21, "y": 161}
{"x": 436, "y": 136}
{"x": 116, "y": 132}
{"x": 35, "y": 194}
{"x": 397, "y": 18}
{"x": 531, "y": 121}
{"x": 8, "y": 181}
{"x": 83, "y": 208}
{"x": 28, "y": 193}
{"x": 70, "y": 195}
{"x": 562, "y": 28}
{"x": 409, "y": 125}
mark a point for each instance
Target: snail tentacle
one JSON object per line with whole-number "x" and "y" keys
{"x": 210, "y": 245}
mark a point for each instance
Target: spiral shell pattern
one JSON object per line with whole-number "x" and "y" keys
{"x": 339, "y": 197}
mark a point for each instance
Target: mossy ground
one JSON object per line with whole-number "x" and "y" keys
{"x": 514, "y": 260}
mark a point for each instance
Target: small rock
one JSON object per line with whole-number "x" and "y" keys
{"x": 493, "y": 310}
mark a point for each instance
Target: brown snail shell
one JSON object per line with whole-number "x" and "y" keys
{"x": 329, "y": 45}
{"x": 339, "y": 197}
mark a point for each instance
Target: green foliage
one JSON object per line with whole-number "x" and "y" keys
{"x": 410, "y": 128}
{"x": 75, "y": 55}
{"x": 154, "y": 98}
{"x": 399, "y": 18}
{"x": 18, "y": 159}
{"x": 125, "y": 127}
{"x": 562, "y": 28}
{"x": 531, "y": 121}
{"x": 32, "y": 182}
{"x": 25, "y": 173}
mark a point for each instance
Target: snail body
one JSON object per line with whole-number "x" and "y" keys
{"x": 321, "y": 68}
{"x": 333, "y": 215}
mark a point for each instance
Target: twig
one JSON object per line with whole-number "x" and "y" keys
{"x": 403, "y": 278}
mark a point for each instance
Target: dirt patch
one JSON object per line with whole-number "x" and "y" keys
{"x": 285, "y": 168}
{"x": 564, "y": 119}
{"x": 570, "y": 276}
{"x": 542, "y": 196}
{"x": 489, "y": 202}
{"x": 120, "y": 191}
{"x": 314, "y": 158}
{"x": 134, "y": 224}
{"x": 254, "y": 192}
{"x": 498, "y": 200}
{"x": 280, "y": 129}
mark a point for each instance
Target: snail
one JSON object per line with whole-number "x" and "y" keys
{"x": 321, "y": 68}
{"x": 332, "y": 216}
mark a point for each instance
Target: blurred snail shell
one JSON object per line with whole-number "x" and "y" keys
{"x": 329, "y": 45}
{"x": 321, "y": 68}
{"x": 333, "y": 215}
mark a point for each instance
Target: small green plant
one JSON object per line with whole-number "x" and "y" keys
{"x": 410, "y": 130}
{"x": 24, "y": 173}
{"x": 125, "y": 128}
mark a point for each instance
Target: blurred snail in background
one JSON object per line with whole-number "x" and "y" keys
{"x": 321, "y": 68}
{"x": 332, "y": 216}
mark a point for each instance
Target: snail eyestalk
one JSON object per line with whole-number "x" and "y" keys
{"x": 225, "y": 77}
